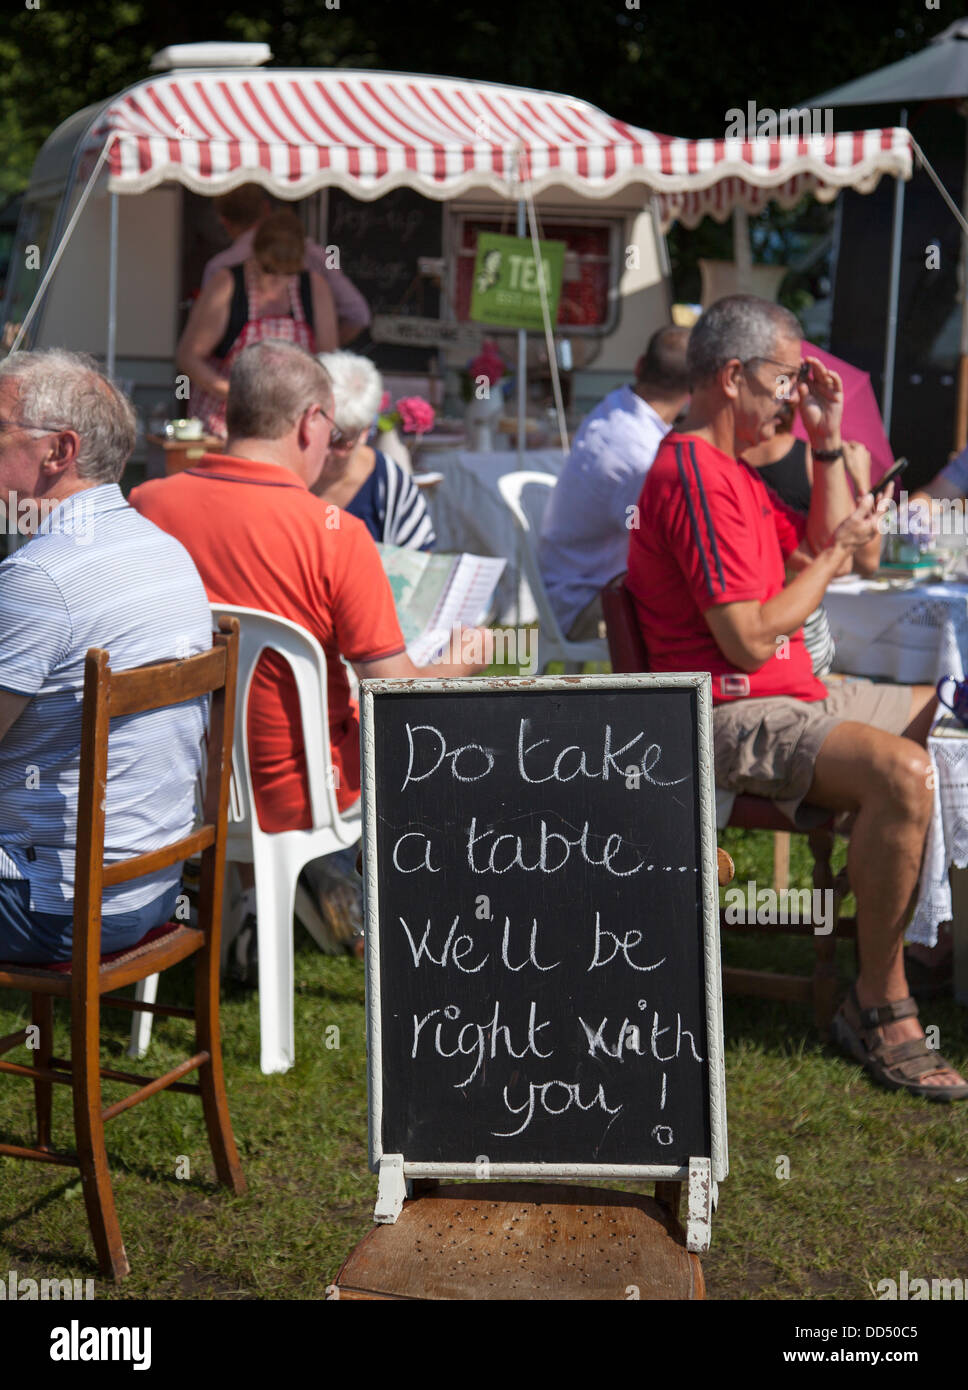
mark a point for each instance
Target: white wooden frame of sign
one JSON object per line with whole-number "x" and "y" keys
{"x": 703, "y": 1172}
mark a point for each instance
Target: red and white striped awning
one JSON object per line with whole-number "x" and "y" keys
{"x": 368, "y": 132}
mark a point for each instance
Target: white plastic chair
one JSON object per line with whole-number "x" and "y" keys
{"x": 278, "y": 858}
{"x": 526, "y": 496}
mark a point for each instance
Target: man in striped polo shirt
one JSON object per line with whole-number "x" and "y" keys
{"x": 706, "y": 567}
{"x": 93, "y": 574}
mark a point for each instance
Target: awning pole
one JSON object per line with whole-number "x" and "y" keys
{"x": 61, "y": 248}
{"x": 890, "y": 345}
{"x": 522, "y": 360}
{"x": 961, "y": 414}
{"x": 112, "y": 289}
{"x": 742, "y": 250}
{"x": 549, "y": 331}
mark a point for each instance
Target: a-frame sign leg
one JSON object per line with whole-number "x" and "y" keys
{"x": 392, "y": 1190}
{"x": 702, "y": 1195}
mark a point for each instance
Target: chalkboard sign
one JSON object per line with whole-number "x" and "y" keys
{"x": 542, "y": 927}
{"x": 380, "y": 244}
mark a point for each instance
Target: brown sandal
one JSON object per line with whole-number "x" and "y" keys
{"x": 898, "y": 1066}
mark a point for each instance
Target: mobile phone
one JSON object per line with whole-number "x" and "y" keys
{"x": 893, "y": 472}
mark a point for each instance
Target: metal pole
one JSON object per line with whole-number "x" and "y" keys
{"x": 112, "y": 289}
{"x": 742, "y": 250}
{"x": 961, "y": 415}
{"x": 61, "y": 248}
{"x": 522, "y": 359}
{"x": 890, "y": 345}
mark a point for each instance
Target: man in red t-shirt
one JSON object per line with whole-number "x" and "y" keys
{"x": 707, "y": 569}
{"x": 260, "y": 539}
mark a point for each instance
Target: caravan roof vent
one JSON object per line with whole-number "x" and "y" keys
{"x": 211, "y": 55}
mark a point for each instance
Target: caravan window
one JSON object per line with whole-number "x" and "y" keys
{"x": 28, "y": 258}
{"x": 591, "y": 267}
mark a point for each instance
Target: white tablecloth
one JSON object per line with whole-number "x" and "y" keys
{"x": 947, "y": 843}
{"x": 910, "y": 635}
{"x": 469, "y": 514}
{"x": 915, "y": 636}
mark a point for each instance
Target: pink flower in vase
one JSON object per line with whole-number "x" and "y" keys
{"x": 416, "y": 415}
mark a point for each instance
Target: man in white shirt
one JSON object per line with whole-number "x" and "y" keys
{"x": 240, "y": 213}
{"x": 585, "y": 532}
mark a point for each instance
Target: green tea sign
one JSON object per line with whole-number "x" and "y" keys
{"x": 506, "y": 287}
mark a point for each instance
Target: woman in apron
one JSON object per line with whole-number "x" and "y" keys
{"x": 270, "y": 295}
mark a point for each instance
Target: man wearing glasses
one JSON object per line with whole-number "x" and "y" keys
{"x": 92, "y": 574}
{"x": 707, "y": 569}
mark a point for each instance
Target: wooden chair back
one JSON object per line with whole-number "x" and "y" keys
{"x": 110, "y": 695}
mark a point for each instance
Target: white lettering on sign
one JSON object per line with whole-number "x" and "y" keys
{"x": 477, "y": 1038}
{"x": 471, "y": 769}
{"x": 524, "y": 273}
{"x": 632, "y": 938}
{"x": 553, "y": 852}
{"x": 560, "y": 1104}
{"x": 453, "y": 950}
{"x": 538, "y": 771}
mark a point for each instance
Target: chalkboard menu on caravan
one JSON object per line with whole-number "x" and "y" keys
{"x": 543, "y": 987}
{"x": 380, "y": 244}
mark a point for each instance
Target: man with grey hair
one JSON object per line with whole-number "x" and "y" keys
{"x": 92, "y": 574}
{"x": 261, "y": 540}
{"x": 706, "y": 567}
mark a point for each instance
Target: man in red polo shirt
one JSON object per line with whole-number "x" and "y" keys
{"x": 707, "y": 569}
{"x": 261, "y": 539}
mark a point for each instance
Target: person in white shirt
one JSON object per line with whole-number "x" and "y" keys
{"x": 240, "y": 213}
{"x": 585, "y": 531}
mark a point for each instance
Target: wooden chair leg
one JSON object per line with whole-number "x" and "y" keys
{"x": 825, "y": 947}
{"x": 42, "y": 1016}
{"x": 781, "y": 860}
{"x": 211, "y": 1078}
{"x": 89, "y": 1132}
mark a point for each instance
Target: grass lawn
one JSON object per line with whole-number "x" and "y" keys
{"x": 877, "y": 1182}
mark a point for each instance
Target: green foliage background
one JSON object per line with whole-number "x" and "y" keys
{"x": 669, "y": 67}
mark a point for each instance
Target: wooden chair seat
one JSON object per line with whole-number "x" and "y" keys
{"x": 759, "y": 813}
{"x": 525, "y": 1241}
{"x": 164, "y": 946}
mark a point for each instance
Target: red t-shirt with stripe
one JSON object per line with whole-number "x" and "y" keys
{"x": 261, "y": 539}
{"x": 711, "y": 532}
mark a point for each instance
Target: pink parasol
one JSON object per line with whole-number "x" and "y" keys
{"x": 862, "y": 419}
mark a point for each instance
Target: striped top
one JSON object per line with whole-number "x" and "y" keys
{"x": 391, "y": 507}
{"x": 96, "y": 574}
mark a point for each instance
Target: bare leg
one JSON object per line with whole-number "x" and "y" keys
{"x": 885, "y": 780}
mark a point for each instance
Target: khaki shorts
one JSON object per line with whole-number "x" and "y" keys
{"x": 769, "y": 747}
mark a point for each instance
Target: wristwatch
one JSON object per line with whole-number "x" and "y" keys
{"x": 828, "y": 455}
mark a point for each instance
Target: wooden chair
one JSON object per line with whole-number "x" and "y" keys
{"x": 86, "y": 979}
{"x": 628, "y": 654}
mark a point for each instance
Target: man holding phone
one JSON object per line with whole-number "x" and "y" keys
{"x": 707, "y": 569}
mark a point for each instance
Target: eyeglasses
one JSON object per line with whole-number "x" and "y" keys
{"x": 336, "y": 435}
{"x": 797, "y": 374}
